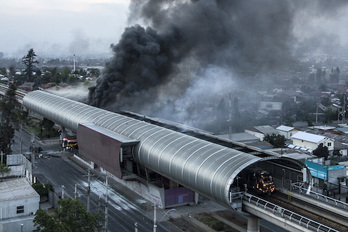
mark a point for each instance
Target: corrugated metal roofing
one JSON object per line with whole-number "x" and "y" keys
{"x": 266, "y": 130}
{"x": 111, "y": 134}
{"x": 285, "y": 128}
{"x": 202, "y": 166}
{"x": 308, "y": 137}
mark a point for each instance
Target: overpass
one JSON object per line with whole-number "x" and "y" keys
{"x": 119, "y": 143}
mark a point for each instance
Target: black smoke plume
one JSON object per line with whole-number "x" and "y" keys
{"x": 181, "y": 39}
{"x": 232, "y": 34}
{"x": 143, "y": 59}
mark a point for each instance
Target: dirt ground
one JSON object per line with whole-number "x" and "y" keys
{"x": 205, "y": 217}
{"x": 238, "y": 222}
{"x": 185, "y": 225}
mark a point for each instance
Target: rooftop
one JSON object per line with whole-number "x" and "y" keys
{"x": 266, "y": 130}
{"x": 16, "y": 189}
{"x": 308, "y": 137}
{"x": 285, "y": 128}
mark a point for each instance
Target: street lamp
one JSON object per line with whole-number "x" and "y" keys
{"x": 76, "y": 192}
{"x": 166, "y": 214}
{"x": 63, "y": 191}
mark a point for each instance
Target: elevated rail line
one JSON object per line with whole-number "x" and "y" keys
{"x": 20, "y": 94}
{"x": 200, "y": 161}
{"x": 301, "y": 190}
{"x": 290, "y": 220}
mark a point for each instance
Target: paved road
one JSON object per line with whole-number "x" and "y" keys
{"x": 122, "y": 212}
{"x": 62, "y": 171}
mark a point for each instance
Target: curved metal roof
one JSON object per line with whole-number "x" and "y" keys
{"x": 204, "y": 167}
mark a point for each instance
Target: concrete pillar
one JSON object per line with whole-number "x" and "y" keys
{"x": 304, "y": 173}
{"x": 196, "y": 197}
{"x": 253, "y": 224}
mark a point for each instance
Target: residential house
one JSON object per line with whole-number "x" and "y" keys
{"x": 287, "y": 131}
{"x": 261, "y": 131}
{"x": 27, "y": 86}
{"x": 311, "y": 141}
{"x": 18, "y": 204}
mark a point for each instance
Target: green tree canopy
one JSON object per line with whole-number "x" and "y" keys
{"x": 275, "y": 140}
{"x": 4, "y": 169}
{"x": 321, "y": 151}
{"x": 41, "y": 189}
{"x": 29, "y": 61}
{"x": 8, "y": 119}
{"x": 71, "y": 216}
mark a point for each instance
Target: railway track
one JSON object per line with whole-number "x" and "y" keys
{"x": 309, "y": 211}
{"x": 19, "y": 93}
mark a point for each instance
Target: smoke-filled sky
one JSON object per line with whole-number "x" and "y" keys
{"x": 85, "y": 27}
{"x": 57, "y": 28}
{"x": 171, "y": 57}
{"x": 170, "y": 46}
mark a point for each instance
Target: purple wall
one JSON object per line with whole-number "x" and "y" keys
{"x": 99, "y": 148}
{"x": 178, "y": 196}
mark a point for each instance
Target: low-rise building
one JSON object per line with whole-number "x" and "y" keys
{"x": 27, "y": 86}
{"x": 311, "y": 141}
{"x": 287, "y": 131}
{"x": 18, "y": 205}
{"x": 261, "y": 131}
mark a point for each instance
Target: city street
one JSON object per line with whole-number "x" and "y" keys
{"x": 61, "y": 171}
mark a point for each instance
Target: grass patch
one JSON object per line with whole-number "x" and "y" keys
{"x": 214, "y": 223}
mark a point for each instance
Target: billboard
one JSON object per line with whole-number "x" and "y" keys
{"x": 317, "y": 170}
{"x": 321, "y": 171}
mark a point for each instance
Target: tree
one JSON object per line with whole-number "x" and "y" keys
{"x": 46, "y": 124}
{"x": 326, "y": 101}
{"x": 41, "y": 189}
{"x": 71, "y": 215}
{"x": 8, "y": 119}
{"x": 330, "y": 115}
{"x": 12, "y": 71}
{"x": 321, "y": 151}
{"x": 335, "y": 75}
{"x": 275, "y": 140}
{"x": 3, "y": 71}
{"x": 29, "y": 61}
{"x": 4, "y": 169}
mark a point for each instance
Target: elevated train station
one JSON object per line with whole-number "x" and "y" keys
{"x": 123, "y": 146}
{"x": 171, "y": 164}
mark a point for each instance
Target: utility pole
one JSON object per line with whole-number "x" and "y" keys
{"x": 136, "y": 226}
{"x": 88, "y": 189}
{"x": 230, "y": 117}
{"x": 154, "y": 218}
{"x": 63, "y": 191}
{"x": 344, "y": 109}
{"x": 20, "y": 138}
{"x": 76, "y": 191}
{"x": 106, "y": 203}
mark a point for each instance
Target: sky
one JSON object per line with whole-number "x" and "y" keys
{"x": 56, "y": 28}
{"x": 61, "y": 27}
